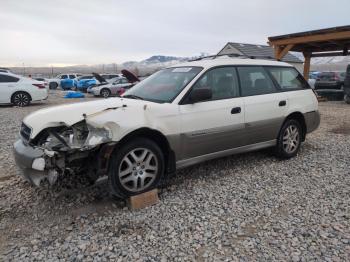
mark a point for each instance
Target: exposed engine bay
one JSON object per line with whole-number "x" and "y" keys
{"x": 70, "y": 149}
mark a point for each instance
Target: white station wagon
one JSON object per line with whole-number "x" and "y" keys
{"x": 179, "y": 116}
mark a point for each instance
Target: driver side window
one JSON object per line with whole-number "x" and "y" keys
{"x": 222, "y": 81}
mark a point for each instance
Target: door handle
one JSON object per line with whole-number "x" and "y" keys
{"x": 282, "y": 103}
{"x": 236, "y": 110}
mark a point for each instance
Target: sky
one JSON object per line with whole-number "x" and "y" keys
{"x": 72, "y": 32}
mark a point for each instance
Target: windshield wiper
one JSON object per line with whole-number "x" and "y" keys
{"x": 133, "y": 97}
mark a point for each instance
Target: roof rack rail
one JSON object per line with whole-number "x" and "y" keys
{"x": 232, "y": 56}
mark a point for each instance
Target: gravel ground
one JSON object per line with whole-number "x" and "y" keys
{"x": 241, "y": 208}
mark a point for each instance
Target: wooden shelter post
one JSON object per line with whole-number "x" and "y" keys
{"x": 307, "y": 64}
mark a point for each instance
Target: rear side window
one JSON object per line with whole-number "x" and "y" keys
{"x": 8, "y": 79}
{"x": 255, "y": 81}
{"x": 287, "y": 78}
{"x": 71, "y": 76}
{"x": 222, "y": 82}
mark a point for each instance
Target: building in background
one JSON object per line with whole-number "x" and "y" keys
{"x": 262, "y": 51}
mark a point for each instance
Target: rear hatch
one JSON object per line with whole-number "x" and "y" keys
{"x": 327, "y": 79}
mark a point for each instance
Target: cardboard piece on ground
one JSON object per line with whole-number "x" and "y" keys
{"x": 143, "y": 200}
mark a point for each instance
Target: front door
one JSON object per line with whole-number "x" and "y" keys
{"x": 214, "y": 125}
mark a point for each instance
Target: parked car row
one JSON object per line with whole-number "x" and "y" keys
{"x": 76, "y": 81}
{"x": 20, "y": 91}
{"x": 117, "y": 87}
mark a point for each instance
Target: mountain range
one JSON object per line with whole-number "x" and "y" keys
{"x": 156, "y": 62}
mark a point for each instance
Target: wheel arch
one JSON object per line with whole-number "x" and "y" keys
{"x": 157, "y": 137}
{"x": 105, "y": 88}
{"x": 301, "y": 119}
{"x": 21, "y": 91}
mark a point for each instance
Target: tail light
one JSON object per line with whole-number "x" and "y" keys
{"x": 40, "y": 86}
{"x": 121, "y": 91}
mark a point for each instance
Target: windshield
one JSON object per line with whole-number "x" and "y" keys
{"x": 164, "y": 85}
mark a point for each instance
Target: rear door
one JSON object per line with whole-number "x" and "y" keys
{"x": 265, "y": 105}
{"x": 8, "y": 85}
{"x": 214, "y": 125}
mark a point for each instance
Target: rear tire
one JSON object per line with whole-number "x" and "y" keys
{"x": 53, "y": 85}
{"x": 135, "y": 168}
{"x": 347, "y": 99}
{"x": 21, "y": 99}
{"x": 105, "y": 93}
{"x": 289, "y": 139}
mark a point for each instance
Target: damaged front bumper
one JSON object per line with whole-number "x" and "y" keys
{"x": 32, "y": 163}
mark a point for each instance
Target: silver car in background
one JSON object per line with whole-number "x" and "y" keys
{"x": 116, "y": 88}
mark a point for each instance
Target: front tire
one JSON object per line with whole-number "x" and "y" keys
{"x": 136, "y": 167}
{"x": 53, "y": 85}
{"x": 289, "y": 139}
{"x": 105, "y": 93}
{"x": 21, "y": 99}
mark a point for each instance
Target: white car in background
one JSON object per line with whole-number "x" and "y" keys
{"x": 19, "y": 90}
{"x": 115, "y": 88}
{"x": 118, "y": 87}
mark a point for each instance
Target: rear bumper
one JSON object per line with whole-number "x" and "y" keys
{"x": 312, "y": 121}
{"x": 24, "y": 156}
{"x": 335, "y": 85}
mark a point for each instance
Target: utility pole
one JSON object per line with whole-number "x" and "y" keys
{"x": 24, "y": 69}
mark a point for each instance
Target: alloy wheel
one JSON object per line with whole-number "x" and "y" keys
{"x": 21, "y": 99}
{"x": 105, "y": 93}
{"x": 291, "y": 139}
{"x": 138, "y": 169}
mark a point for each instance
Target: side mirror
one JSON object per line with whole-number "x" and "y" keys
{"x": 200, "y": 94}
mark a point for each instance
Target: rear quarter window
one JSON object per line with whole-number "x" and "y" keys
{"x": 288, "y": 78}
{"x": 8, "y": 79}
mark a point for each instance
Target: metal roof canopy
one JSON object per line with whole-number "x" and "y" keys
{"x": 333, "y": 41}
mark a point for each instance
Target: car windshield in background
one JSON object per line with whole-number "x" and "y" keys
{"x": 165, "y": 85}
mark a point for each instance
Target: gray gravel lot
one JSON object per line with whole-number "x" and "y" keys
{"x": 246, "y": 207}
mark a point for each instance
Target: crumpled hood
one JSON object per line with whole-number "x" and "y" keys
{"x": 70, "y": 114}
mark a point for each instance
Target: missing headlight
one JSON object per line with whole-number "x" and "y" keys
{"x": 78, "y": 136}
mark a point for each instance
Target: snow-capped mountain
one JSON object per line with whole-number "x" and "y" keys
{"x": 161, "y": 61}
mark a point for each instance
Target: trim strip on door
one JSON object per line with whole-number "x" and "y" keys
{"x": 232, "y": 151}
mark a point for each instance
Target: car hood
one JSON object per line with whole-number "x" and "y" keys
{"x": 70, "y": 114}
{"x": 99, "y": 78}
{"x": 130, "y": 76}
